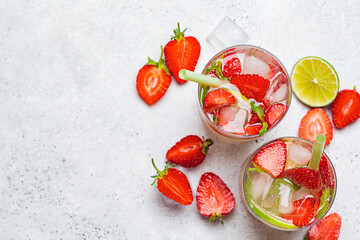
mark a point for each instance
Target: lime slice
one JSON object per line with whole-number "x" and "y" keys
{"x": 269, "y": 217}
{"x": 314, "y": 81}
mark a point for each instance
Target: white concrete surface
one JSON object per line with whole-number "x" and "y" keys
{"x": 76, "y": 139}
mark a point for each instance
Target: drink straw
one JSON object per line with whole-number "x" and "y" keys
{"x": 199, "y": 78}
{"x": 317, "y": 151}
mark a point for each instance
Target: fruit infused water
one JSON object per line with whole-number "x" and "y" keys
{"x": 253, "y": 96}
{"x": 281, "y": 190}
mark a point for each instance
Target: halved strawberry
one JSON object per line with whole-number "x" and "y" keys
{"x": 346, "y": 107}
{"x": 326, "y": 172}
{"x": 153, "y": 80}
{"x": 305, "y": 177}
{"x": 303, "y": 212}
{"x": 213, "y": 198}
{"x": 216, "y": 99}
{"x": 327, "y": 228}
{"x": 231, "y": 66}
{"x": 251, "y": 85}
{"x": 173, "y": 184}
{"x": 272, "y": 158}
{"x": 274, "y": 113}
{"x": 189, "y": 152}
{"x": 315, "y": 122}
{"x": 253, "y": 129}
{"x": 181, "y": 53}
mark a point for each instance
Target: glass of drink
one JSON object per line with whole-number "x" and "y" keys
{"x": 281, "y": 190}
{"x": 253, "y": 97}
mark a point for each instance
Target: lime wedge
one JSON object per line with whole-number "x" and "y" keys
{"x": 314, "y": 81}
{"x": 269, "y": 217}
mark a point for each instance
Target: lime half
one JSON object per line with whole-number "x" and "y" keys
{"x": 314, "y": 81}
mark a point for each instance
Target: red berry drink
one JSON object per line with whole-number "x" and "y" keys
{"x": 279, "y": 188}
{"x": 253, "y": 97}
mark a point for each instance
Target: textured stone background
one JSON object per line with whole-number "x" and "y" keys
{"x": 76, "y": 139}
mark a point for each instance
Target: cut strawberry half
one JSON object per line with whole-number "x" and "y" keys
{"x": 326, "y": 172}
{"x": 181, "y": 53}
{"x": 253, "y": 129}
{"x": 213, "y": 198}
{"x": 231, "y": 66}
{"x": 305, "y": 177}
{"x": 327, "y": 228}
{"x": 346, "y": 107}
{"x": 303, "y": 213}
{"x": 254, "y": 118}
{"x": 274, "y": 113}
{"x": 251, "y": 85}
{"x": 173, "y": 184}
{"x": 153, "y": 80}
{"x": 217, "y": 99}
{"x": 189, "y": 152}
{"x": 315, "y": 122}
{"x": 272, "y": 157}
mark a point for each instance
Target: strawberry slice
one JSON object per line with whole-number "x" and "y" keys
{"x": 305, "y": 177}
{"x": 303, "y": 213}
{"x": 326, "y": 172}
{"x": 181, "y": 53}
{"x": 189, "y": 152}
{"x": 254, "y": 118}
{"x": 272, "y": 157}
{"x": 274, "y": 113}
{"x": 231, "y": 66}
{"x": 253, "y": 129}
{"x": 251, "y": 85}
{"x": 315, "y": 122}
{"x": 217, "y": 99}
{"x": 327, "y": 228}
{"x": 213, "y": 198}
{"x": 153, "y": 80}
{"x": 173, "y": 184}
{"x": 346, "y": 107}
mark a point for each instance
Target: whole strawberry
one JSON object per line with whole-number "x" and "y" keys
{"x": 173, "y": 184}
{"x": 346, "y": 107}
{"x": 213, "y": 198}
{"x": 153, "y": 80}
{"x": 189, "y": 152}
{"x": 181, "y": 53}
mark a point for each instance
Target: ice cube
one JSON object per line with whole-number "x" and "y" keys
{"x": 227, "y": 114}
{"x": 239, "y": 121}
{"x": 278, "y": 90}
{"x": 286, "y": 200}
{"x": 260, "y": 185}
{"x": 253, "y": 65}
{"x": 299, "y": 154}
{"x": 302, "y": 193}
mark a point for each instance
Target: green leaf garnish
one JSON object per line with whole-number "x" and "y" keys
{"x": 324, "y": 202}
{"x": 256, "y": 168}
{"x": 263, "y": 129}
{"x": 258, "y": 110}
{"x": 217, "y": 67}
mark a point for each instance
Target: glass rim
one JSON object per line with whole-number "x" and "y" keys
{"x": 245, "y": 137}
{"x": 266, "y": 222}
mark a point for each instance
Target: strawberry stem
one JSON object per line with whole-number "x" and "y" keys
{"x": 207, "y": 143}
{"x": 178, "y": 34}
{"x": 216, "y": 216}
{"x": 160, "y": 63}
